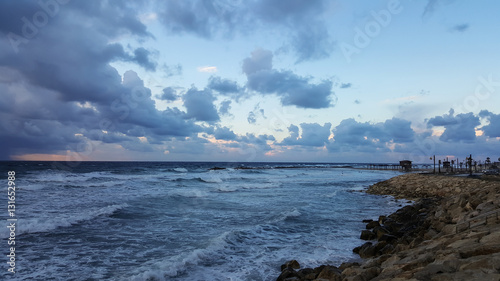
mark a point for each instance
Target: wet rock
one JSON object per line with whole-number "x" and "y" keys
{"x": 381, "y": 219}
{"x": 389, "y": 248}
{"x": 307, "y": 274}
{"x": 217, "y": 168}
{"x": 388, "y": 238}
{"x": 367, "y": 250}
{"x": 331, "y": 273}
{"x": 291, "y": 264}
{"x": 288, "y": 274}
{"x": 367, "y": 235}
{"x": 381, "y": 231}
{"x": 372, "y": 224}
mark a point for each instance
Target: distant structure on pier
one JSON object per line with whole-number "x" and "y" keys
{"x": 405, "y": 165}
{"x": 447, "y": 165}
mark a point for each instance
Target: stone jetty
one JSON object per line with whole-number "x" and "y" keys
{"x": 450, "y": 232}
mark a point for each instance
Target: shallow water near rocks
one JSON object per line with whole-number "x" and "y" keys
{"x": 183, "y": 221}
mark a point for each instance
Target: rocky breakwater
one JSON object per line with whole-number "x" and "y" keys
{"x": 451, "y": 232}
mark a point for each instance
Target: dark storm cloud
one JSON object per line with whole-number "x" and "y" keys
{"x": 493, "y": 128}
{"x": 312, "y": 42}
{"x": 172, "y": 124}
{"x": 203, "y": 18}
{"x": 313, "y": 134}
{"x": 307, "y": 35}
{"x": 199, "y": 105}
{"x": 457, "y": 128}
{"x": 291, "y": 88}
{"x": 226, "y": 87}
{"x": 61, "y": 87}
{"x": 259, "y": 59}
{"x": 259, "y": 142}
{"x": 169, "y": 94}
{"x": 225, "y": 107}
{"x": 83, "y": 73}
{"x": 398, "y": 130}
{"x": 352, "y": 135}
{"x": 287, "y": 11}
{"x": 32, "y": 136}
{"x": 142, "y": 57}
{"x": 224, "y": 133}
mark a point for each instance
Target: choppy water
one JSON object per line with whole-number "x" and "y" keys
{"x": 183, "y": 221}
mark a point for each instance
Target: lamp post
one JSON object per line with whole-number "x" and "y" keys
{"x": 434, "y": 158}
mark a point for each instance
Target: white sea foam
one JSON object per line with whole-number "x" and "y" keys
{"x": 227, "y": 188}
{"x": 165, "y": 269}
{"x": 45, "y": 224}
{"x": 244, "y": 232}
{"x": 294, "y": 213}
{"x": 181, "y": 170}
{"x": 189, "y": 193}
{"x": 211, "y": 179}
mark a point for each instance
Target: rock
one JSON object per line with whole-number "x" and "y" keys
{"x": 433, "y": 269}
{"x": 486, "y": 207}
{"x": 217, "y": 168}
{"x": 367, "y": 250}
{"x": 489, "y": 264}
{"x": 345, "y": 265}
{"x": 292, "y": 264}
{"x": 287, "y": 274}
{"x": 462, "y": 243}
{"x": 331, "y": 273}
{"x": 391, "y": 261}
{"x": 380, "y": 231}
{"x": 367, "y": 235}
{"x": 427, "y": 240}
{"x": 381, "y": 219}
{"x": 307, "y": 274}
{"x": 387, "y": 249}
{"x": 357, "y": 249}
{"x": 491, "y": 238}
{"x": 466, "y": 276}
{"x": 351, "y": 271}
{"x": 372, "y": 224}
{"x": 388, "y": 238}
{"x": 469, "y": 207}
{"x": 370, "y": 273}
{"x": 318, "y": 269}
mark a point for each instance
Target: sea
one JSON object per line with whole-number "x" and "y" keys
{"x": 182, "y": 220}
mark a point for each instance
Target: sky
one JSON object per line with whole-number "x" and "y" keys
{"x": 257, "y": 80}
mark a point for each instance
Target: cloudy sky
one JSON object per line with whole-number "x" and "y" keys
{"x": 255, "y": 80}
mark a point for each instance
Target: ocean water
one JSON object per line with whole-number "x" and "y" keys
{"x": 184, "y": 221}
